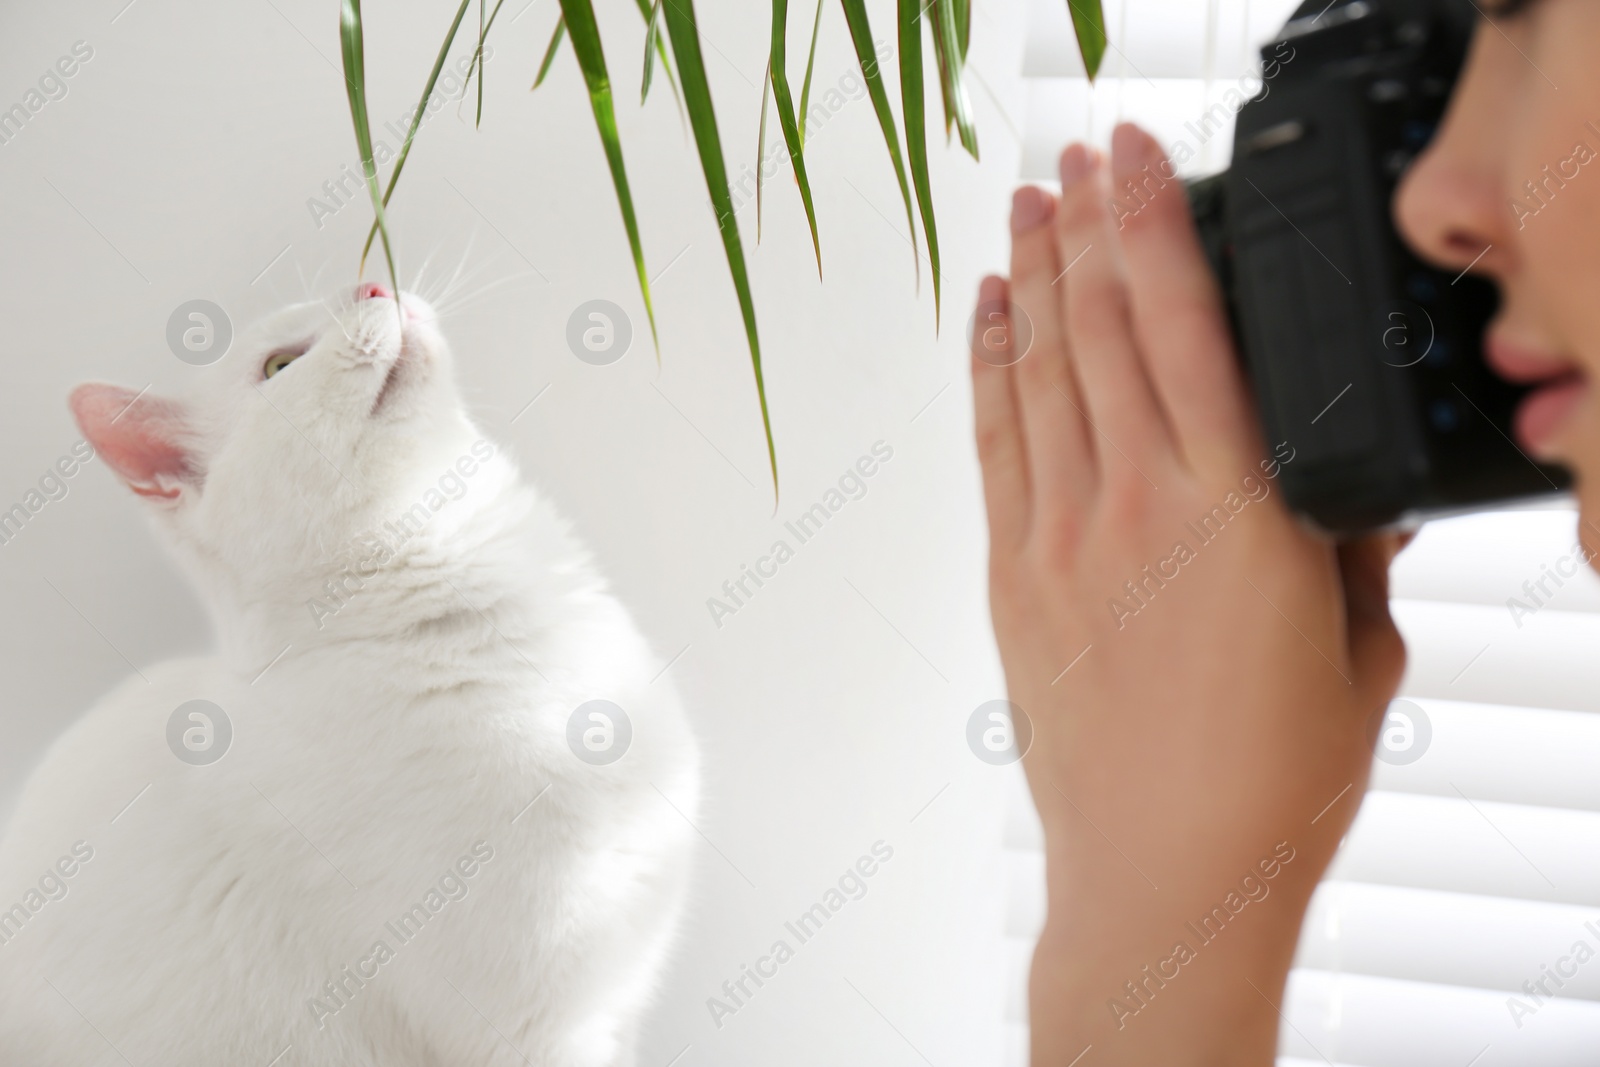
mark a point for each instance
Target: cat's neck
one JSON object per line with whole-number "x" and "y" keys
{"x": 481, "y": 587}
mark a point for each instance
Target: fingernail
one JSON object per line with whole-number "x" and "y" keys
{"x": 1130, "y": 150}
{"x": 1076, "y": 162}
{"x": 1030, "y": 207}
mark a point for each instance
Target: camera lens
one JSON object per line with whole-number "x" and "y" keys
{"x": 1416, "y": 133}
{"x": 1444, "y": 415}
{"x": 1422, "y": 288}
{"x": 1438, "y": 354}
{"x": 1404, "y": 333}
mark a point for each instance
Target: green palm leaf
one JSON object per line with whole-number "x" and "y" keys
{"x": 855, "y": 14}
{"x": 578, "y": 16}
{"x": 353, "y": 51}
{"x": 1089, "y": 23}
{"x": 652, "y": 39}
{"x": 811, "y": 62}
{"x": 761, "y": 146}
{"x": 483, "y": 31}
{"x": 477, "y": 56}
{"x": 697, "y": 93}
{"x": 778, "y": 77}
{"x": 550, "y": 51}
{"x": 940, "y": 54}
{"x": 379, "y": 224}
{"x": 916, "y": 129}
{"x": 947, "y": 38}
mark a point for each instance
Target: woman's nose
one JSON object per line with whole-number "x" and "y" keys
{"x": 1449, "y": 210}
{"x": 1451, "y": 204}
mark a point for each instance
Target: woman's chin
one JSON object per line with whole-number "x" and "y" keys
{"x": 1588, "y": 492}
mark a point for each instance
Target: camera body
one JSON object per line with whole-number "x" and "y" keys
{"x": 1366, "y": 360}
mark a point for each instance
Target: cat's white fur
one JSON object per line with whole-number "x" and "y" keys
{"x": 411, "y": 725}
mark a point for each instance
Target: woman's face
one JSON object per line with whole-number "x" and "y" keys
{"x": 1511, "y": 186}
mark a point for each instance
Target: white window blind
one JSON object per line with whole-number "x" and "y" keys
{"x": 1170, "y": 65}
{"x": 1472, "y": 872}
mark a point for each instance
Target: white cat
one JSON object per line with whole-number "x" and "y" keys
{"x": 413, "y": 849}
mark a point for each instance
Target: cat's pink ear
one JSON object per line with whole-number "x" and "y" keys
{"x": 143, "y": 438}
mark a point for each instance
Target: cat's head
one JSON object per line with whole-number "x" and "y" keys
{"x": 320, "y": 424}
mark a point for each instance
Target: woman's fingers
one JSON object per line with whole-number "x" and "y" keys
{"x": 1118, "y": 402}
{"x": 997, "y": 419}
{"x": 1376, "y": 650}
{"x": 1177, "y": 310}
{"x": 1060, "y": 458}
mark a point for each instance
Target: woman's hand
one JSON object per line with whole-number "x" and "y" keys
{"x": 1201, "y": 673}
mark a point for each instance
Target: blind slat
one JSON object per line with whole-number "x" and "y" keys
{"x": 1482, "y": 847}
{"x": 1156, "y": 39}
{"x": 1450, "y": 938}
{"x": 1532, "y": 756}
{"x": 1486, "y": 559}
{"x": 1386, "y": 1022}
{"x": 1477, "y": 653}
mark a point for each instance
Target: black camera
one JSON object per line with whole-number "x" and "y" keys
{"x": 1366, "y": 360}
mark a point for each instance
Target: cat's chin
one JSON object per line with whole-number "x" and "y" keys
{"x": 390, "y": 380}
{"x": 415, "y": 350}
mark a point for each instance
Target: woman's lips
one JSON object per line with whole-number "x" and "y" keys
{"x": 1541, "y": 413}
{"x": 1558, "y": 386}
{"x": 1524, "y": 365}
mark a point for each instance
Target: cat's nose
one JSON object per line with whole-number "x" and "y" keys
{"x": 373, "y": 291}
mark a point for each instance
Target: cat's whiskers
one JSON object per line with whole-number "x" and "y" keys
{"x": 460, "y": 301}
{"x": 316, "y": 279}
{"x": 452, "y": 297}
{"x": 455, "y": 276}
{"x": 309, "y": 290}
{"x": 337, "y": 321}
{"x": 417, "y": 283}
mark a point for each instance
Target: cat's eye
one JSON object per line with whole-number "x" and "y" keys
{"x": 281, "y": 359}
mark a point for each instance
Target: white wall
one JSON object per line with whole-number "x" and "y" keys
{"x": 832, "y": 707}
